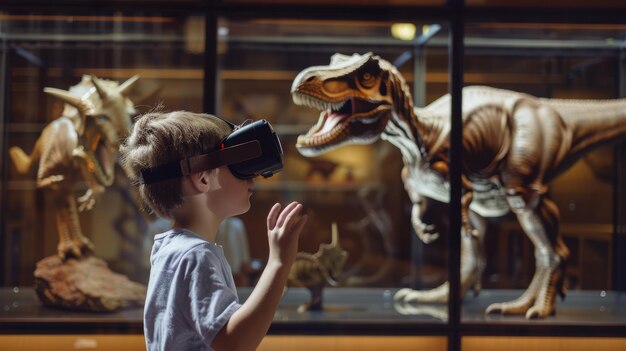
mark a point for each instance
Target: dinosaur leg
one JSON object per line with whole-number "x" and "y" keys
{"x": 541, "y": 226}
{"x": 65, "y": 242}
{"x": 476, "y": 257}
{"x": 88, "y": 168}
{"x": 80, "y": 241}
{"x": 552, "y": 256}
{"x": 71, "y": 240}
{"x": 472, "y": 255}
{"x": 315, "y": 304}
{"x": 472, "y": 266}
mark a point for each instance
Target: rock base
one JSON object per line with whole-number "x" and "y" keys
{"x": 85, "y": 284}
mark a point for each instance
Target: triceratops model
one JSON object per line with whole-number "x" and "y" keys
{"x": 514, "y": 144}
{"x": 82, "y": 142}
{"x": 315, "y": 271}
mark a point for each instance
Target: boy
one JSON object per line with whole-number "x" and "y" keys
{"x": 192, "y": 302}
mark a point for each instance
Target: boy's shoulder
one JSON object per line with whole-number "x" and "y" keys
{"x": 179, "y": 236}
{"x": 182, "y": 242}
{"x": 179, "y": 242}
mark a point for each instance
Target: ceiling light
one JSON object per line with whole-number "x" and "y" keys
{"x": 403, "y": 31}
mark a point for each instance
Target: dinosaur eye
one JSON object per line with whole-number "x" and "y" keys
{"x": 367, "y": 80}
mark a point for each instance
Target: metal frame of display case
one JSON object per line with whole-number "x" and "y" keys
{"x": 4, "y": 93}
{"x": 456, "y": 14}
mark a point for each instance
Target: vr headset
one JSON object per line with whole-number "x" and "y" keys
{"x": 251, "y": 150}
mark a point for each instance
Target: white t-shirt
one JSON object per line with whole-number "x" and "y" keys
{"x": 191, "y": 293}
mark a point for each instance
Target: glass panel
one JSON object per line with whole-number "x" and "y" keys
{"x": 552, "y": 4}
{"x": 358, "y": 187}
{"x": 390, "y": 3}
{"x": 556, "y": 154}
{"x": 57, "y": 51}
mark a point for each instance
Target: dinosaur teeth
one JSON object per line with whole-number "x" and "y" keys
{"x": 337, "y": 105}
{"x": 320, "y": 105}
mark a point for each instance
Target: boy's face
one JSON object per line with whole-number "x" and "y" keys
{"x": 229, "y": 196}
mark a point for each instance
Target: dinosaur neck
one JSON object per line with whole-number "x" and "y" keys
{"x": 410, "y": 129}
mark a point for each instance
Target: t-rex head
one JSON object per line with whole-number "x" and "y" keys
{"x": 354, "y": 94}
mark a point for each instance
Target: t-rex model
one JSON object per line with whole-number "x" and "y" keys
{"x": 83, "y": 141}
{"x": 514, "y": 144}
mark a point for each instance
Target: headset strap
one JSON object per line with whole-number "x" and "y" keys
{"x": 224, "y": 156}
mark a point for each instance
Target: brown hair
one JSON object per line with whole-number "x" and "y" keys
{"x": 158, "y": 138}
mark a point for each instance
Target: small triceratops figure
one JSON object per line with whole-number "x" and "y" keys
{"x": 314, "y": 271}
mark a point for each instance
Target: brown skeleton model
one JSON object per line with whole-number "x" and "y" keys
{"x": 82, "y": 144}
{"x": 315, "y": 271}
{"x": 514, "y": 144}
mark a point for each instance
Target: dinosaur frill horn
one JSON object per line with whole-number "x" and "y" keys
{"x": 335, "y": 241}
{"x": 68, "y": 98}
{"x": 99, "y": 87}
{"x": 125, "y": 87}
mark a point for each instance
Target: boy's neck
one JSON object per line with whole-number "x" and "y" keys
{"x": 203, "y": 223}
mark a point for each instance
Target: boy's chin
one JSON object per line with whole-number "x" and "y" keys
{"x": 245, "y": 208}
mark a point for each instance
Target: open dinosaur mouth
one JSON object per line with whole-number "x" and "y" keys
{"x": 105, "y": 158}
{"x": 338, "y": 117}
{"x": 353, "y": 110}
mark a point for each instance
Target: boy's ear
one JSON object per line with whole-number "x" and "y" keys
{"x": 200, "y": 181}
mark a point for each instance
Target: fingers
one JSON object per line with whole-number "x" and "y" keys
{"x": 272, "y": 216}
{"x": 300, "y": 224}
{"x": 290, "y": 215}
{"x": 286, "y": 212}
{"x": 293, "y": 216}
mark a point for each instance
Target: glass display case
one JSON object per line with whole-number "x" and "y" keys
{"x": 39, "y": 51}
{"x": 358, "y": 188}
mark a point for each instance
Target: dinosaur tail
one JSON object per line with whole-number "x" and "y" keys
{"x": 21, "y": 160}
{"x": 592, "y": 122}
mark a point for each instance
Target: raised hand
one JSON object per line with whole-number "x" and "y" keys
{"x": 283, "y": 231}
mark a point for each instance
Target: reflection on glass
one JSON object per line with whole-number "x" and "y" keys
{"x": 412, "y": 309}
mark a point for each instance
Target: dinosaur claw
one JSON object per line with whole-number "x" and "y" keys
{"x": 532, "y": 314}
{"x": 475, "y": 233}
{"x": 495, "y": 308}
{"x": 77, "y": 251}
{"x": 401, "y": 294}
{"x": 539, "y": 312}
{"x": 438, "y": 294}
{"x": 426, "y": 232}
{"x": 429, "y": 238}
